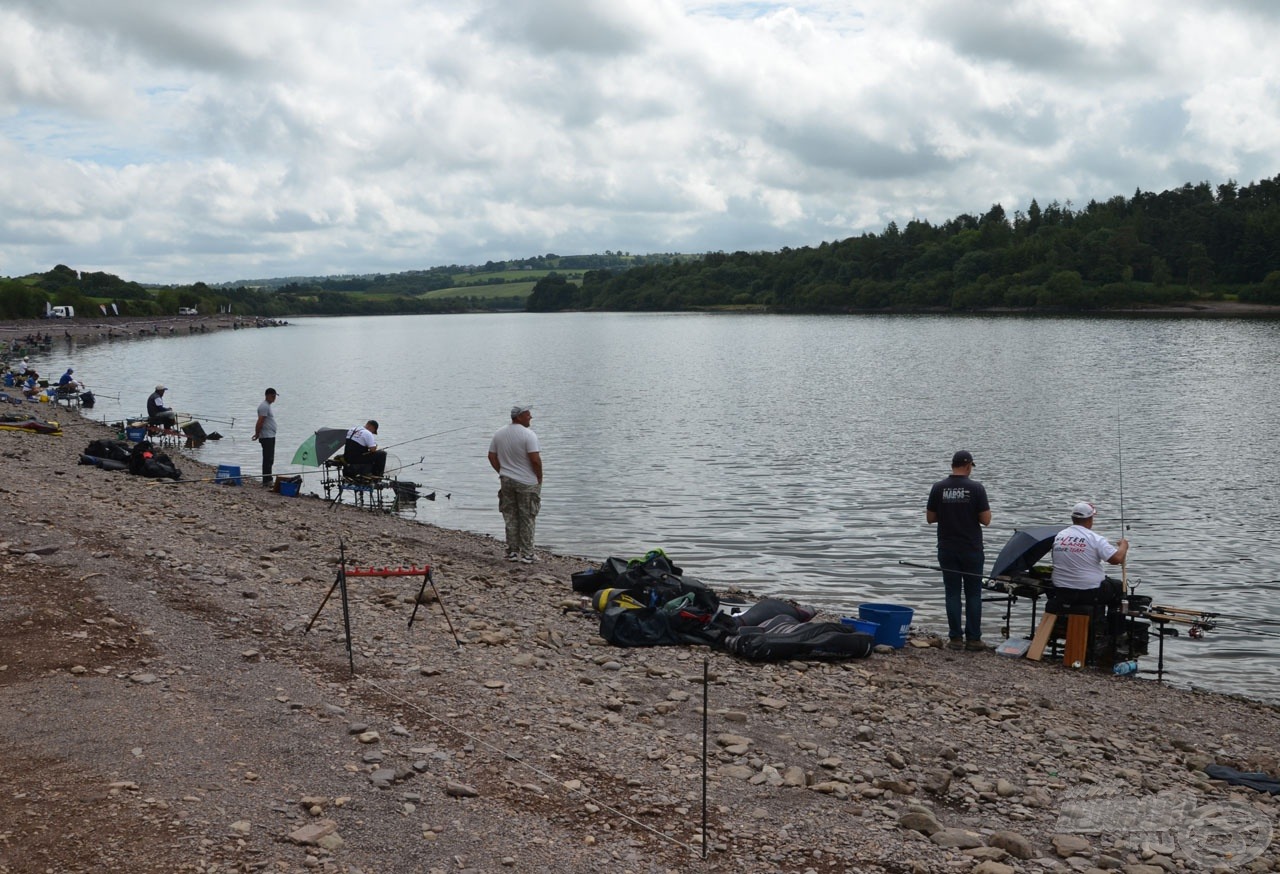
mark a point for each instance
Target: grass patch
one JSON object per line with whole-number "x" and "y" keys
{"x": 484, "y": 292}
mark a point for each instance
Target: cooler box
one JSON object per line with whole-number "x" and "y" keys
{"x": 135, "y": 435}
{"x": 894, "y": 622}
{"x": 228, "y": 474}
{"x": 290, "y": 490}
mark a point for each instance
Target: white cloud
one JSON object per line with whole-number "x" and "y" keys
{"x": 182, "y": 141}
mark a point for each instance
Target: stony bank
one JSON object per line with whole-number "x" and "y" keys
{"x": 163, "y": 708}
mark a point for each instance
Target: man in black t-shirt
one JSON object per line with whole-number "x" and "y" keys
{"x": 958, "y": 506}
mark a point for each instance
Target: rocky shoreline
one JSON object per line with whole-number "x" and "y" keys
{"x": 82, "y": 330}
{"x": 166, "y": 709}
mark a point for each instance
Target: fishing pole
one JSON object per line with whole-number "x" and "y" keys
{"x": 199, "y": 418}
{"x": 228, "y": 478}
{"x": 426, "y": 436}
{"x": 1124, "y": 565}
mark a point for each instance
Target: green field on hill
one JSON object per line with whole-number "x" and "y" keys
{"x": 484, "y": 291}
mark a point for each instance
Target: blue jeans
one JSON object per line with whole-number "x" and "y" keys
{"x": 962, "y": 574}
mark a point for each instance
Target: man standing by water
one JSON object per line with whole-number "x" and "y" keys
{"x": 515, "y": 455}
{"x": 265, "y": 433}
{"x": 958, "y": 506}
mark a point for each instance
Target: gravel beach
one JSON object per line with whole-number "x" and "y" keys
{"x": 163, "y": 708}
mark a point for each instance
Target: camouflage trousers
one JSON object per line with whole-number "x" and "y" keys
{"x": 519, "y": 504}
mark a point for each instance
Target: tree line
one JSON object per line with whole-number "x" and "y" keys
{"x": 1190, "y": 243}
{"x": 1184, "y": 244}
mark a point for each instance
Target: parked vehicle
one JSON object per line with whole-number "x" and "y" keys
{"x": 188, "y": 311}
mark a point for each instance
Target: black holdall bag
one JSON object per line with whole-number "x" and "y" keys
{"x": 647, "y": 626}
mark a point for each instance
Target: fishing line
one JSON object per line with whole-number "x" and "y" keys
{"x": 426, "y": 437}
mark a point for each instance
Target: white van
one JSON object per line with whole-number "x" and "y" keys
{"x": 188, "y": 311}
{"x": 60, "y": 313}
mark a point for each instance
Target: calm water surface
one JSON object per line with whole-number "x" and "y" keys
{"x": 793, "y": 455}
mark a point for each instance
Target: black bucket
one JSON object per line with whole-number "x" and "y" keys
{"x": 1138, "y": 603}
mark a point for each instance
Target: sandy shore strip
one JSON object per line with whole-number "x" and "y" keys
{"x": 163, "y": 707}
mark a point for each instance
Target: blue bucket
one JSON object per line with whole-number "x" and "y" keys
{"x": 861, "y": 625}
{"x": 894, "y": 621}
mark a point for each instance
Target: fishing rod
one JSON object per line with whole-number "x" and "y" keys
{"x": 1124, "y": 565}
{"x": 421, "y": 460}
{"x": 934, "y": 567}
{"x": 199, "y": 418}
{"x": 227, "y": 478}
{"x": 425, "y": 437}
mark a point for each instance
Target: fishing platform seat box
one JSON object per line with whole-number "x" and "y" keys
{"x": 1076, "y": 632}
{"x": 229, "y": 475}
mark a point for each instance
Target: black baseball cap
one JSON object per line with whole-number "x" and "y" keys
{"x": 961, "y": 458}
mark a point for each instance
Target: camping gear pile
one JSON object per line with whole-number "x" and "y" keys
{"x": 648, "y": 601}
{"x": 141, "y": 459}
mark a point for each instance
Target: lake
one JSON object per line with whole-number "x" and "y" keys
{"x": 792, "y": 455}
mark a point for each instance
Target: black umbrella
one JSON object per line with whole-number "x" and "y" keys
{"x": 1026, "y": 547}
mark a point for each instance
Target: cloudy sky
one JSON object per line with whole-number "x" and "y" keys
{"x": 180, "y": 141}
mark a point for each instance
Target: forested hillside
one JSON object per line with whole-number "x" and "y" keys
{"x": 1184, "y": 244}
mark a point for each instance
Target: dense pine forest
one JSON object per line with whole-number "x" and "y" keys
{"x": 1188, "y": 244}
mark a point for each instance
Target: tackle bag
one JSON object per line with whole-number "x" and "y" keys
{"x": 643, "y": 626}
{"x": 784, "y": 638}
{"x": 144, "y": 460}
{"x": 115, "y": 450}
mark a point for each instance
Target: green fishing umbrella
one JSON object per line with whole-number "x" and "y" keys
{"x": 319, "y": 446}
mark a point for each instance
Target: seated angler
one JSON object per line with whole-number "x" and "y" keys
{"x": 363, "y": 457}
{"x": 159, "y": 412}
{"x": 1078, "y": 556}
{"x": 68, "y": 384}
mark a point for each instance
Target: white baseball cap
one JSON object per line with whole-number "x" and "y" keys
{"x": 1083, "y": 510}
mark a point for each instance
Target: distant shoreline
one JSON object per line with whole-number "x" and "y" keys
{"x": 94, "y": 329}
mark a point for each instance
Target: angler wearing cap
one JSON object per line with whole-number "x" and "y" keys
{"x": 515, "y": 455}
{"x": 264, "y": 431}
{"x": 1078, "y": 556}
{"x": 158, "y": 412}
{"x": 958, "y": 506}
{"x": 363, "y": 457}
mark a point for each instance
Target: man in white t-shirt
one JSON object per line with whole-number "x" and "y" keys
{"x": 361, "y": 451}
{"x": 1078, "y": 556}
{"x": 516, "y": 456}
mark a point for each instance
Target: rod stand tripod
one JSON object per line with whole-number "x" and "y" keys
{"x": 340, "y": 583}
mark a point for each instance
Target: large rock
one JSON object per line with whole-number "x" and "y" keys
{"x": 310, "y": 834}
{"x": 1013, "y": 843}
{"x": 956, "y": 838}
{"x": 925, "y": 823}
